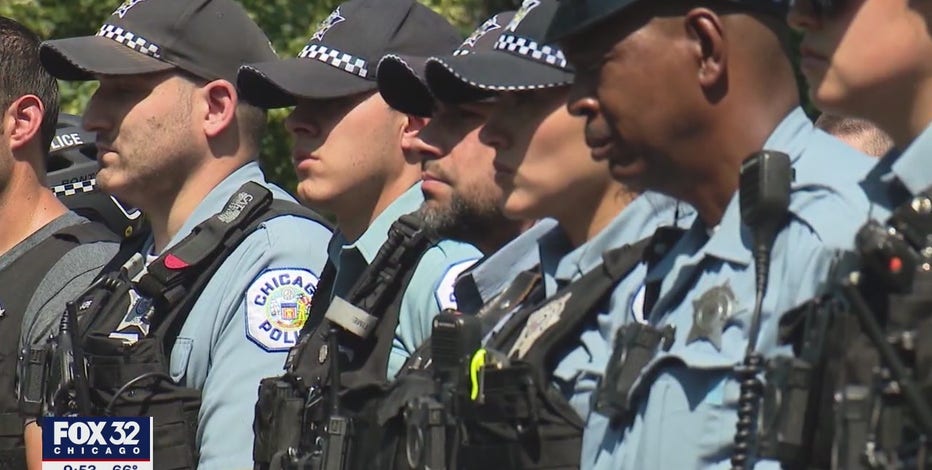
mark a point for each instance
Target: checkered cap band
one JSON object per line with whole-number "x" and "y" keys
{"x": 130, "y": 40}
{"x": 531, "y": 49}
{"x": 70, "y": 189}
{"x": 341, "y": 60}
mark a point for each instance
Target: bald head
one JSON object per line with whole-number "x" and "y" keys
{"x": 858, "y": 133}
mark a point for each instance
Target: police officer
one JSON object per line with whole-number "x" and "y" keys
{"x": 366, "y": 183}
{"x": 40, "y": 234}
{"x": 545, "y": 171}
{"x": 884, "y": 91}
{"x": 357, "y": 158}
{"x": 230, "y": 269}
{"x": 869, "y": 59}
{"x": 461, "y": 199}
{"x": 697, "y": 87}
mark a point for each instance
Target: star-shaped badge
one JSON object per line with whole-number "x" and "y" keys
{"x": 710, "y": 312}
{"x": 330, "y": 21}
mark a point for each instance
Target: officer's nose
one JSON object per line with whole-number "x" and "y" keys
{"x": 94, "y": 119}
{"x": 802, "y": 16}
{"x": 301, "y": 122}
{"x": 581, "y": 105}
{"x": 430, "y": 146}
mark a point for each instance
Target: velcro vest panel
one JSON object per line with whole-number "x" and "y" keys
{"x": 18, "y": 282}
{"x": 522, "y": 421}
{"x": 132, "y": 378}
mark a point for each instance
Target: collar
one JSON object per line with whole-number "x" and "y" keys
{"x": 730, "y": 241}
{"x": 490, "y": 275}
{"x": 636, "y": 221}
{"x": 376, "y": 234}
{"x": 217, "y": 198}
{"x": 913, "y": 167}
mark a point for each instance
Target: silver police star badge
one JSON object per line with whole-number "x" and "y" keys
{"x": 538, "y": 323}
{"x": 710, "y": 312}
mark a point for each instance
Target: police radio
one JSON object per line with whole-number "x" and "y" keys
{"x": 764, "y": 191}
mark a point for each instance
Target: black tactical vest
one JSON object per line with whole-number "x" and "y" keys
{"x": 130, "y": 378}
{"x": 415, "y": 411}
{"x": 306, "y": 416}
{"x": 858, "y": 393}
{"x": 17, "y": 284}
{"x": 519, "y": 420}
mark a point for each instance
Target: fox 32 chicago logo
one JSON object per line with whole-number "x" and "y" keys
{"x": 93, "y": 443}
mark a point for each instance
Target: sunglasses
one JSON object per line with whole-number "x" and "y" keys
{"x": 819, "y": 8}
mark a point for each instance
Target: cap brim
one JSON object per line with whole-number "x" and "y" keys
{"x": 472, "y": 76}
{"x": 279, "y": 84}
{"x": 403, "y": 86}
{"x": 81, "y": 58}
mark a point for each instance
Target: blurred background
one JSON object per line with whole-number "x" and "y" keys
{"x": 288, "y": 24}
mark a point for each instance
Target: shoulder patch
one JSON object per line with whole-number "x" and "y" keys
{"x": 637, "y": 305}
{"x": 277, "y": 304}
{"x": 444, "y": 293}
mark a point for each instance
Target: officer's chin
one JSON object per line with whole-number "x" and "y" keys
{"x": 628, "y": 171}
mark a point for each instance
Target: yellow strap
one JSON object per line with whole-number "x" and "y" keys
{"x": 477, "y": 362}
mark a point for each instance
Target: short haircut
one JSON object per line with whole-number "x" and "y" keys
{"x": 869, "y": 138}
{"x": 22, "y": 74}
{"x": 252, "y": 121}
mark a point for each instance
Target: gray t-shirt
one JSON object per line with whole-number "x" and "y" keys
{"x": 67, "y": 279}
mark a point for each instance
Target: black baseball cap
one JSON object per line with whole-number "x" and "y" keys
{"x": 519, "y": 60}
{"x": 207, "y": 38}
{"x": 341, "y": 57}
{"x": 401, "y": 78}
{"x": 575, "y": 16}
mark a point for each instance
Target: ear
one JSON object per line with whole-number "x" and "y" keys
{"x": 710, "y": 46}
{"x": 23, "y": 121}
{"x": 221, "y": 99}
{"x": 410, "y": 137}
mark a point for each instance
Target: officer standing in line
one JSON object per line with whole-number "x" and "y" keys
{"x": 38, "y": 230}
{"x": 870, "y": 59}
{"x": 367, "y": 183}
{"x": 175, "y": 140}
{"x": 855, "y": 73}
{"x": 462, "y": 201}
{"x": 676, "y": 103}
{"x": 544, "y": 171}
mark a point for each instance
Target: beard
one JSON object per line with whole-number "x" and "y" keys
{"x": 463, "y": 220}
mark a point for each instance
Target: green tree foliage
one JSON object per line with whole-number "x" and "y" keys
{"x": 288, "y": 24}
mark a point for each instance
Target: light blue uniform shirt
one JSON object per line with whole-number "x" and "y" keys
{"x": 687, "y": 397}
{"x": 491, "y": 275}
{"x": 578, "y": 373}
{"x": 898, "y": 176}
{"x": 219, "y": 349}
{"x": 431, "y": 286}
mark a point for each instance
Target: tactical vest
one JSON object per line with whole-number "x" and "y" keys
{"x": 17, "y": 283}
{"x": 130, "y": 318}
{"x": 857, "y": 393}
{"x": 313, "y": 415}
{"x": 415, "y": 412}
{"x": 518, "y": 419}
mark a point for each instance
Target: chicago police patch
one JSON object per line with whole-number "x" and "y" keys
{"x": 277, "y": 305}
